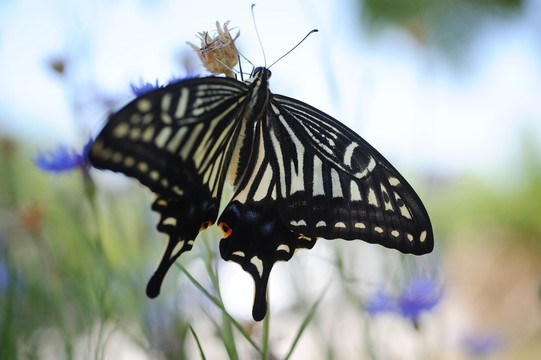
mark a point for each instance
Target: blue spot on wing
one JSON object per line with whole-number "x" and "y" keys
{"x": 267, "y": 228}
{"x": 251, "y": 216}
{"x": 233, "y": 207}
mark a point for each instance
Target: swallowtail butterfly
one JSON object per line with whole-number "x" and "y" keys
{"x": 297, "y": 175}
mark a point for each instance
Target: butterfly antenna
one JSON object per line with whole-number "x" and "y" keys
{"x": 249, "y": 62}
{"x": 294, "y": 47}
{"x": 258, "y": 37}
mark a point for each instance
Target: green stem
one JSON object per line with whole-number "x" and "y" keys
{"x": 227, "y": 329}
{"x": 266, "y": 327}
{"x": 220, "y": 305}
{"x": 201, "y": 352}
{"x": 304, "y": 324}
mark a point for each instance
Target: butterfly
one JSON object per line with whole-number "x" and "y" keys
{"x": 295, "y": 174}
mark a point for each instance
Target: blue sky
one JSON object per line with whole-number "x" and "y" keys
{"x": 417, "y": 109}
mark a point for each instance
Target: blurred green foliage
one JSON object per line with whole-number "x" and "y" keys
{"x": 74, "y": 266}
{"x": 448, "y": 25}
{"x": 61, "y": 256}
{"x": 77, "y": 266}
{"x": 510, "y": 199}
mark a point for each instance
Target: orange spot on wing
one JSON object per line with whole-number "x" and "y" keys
{"x": 205, "y": 225}
{"x": 225, "y": 229}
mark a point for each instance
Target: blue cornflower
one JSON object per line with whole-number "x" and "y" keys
{"x": 146, "y": 87}
{"x": 64, "y": 159}
{"x": 4, "y": 276}
{"x": 382, "y": 302}
{"x": 482, "y": 344}
{"x": 421, "y": 294}
{"x": 4, "y": 272}
{"x": 190, "y": 74}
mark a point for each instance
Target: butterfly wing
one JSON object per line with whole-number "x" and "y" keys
{"x": 297, "y": 175}
{"x": 179, "y": 141}
{"x": 333, "y": 184}
{"x": 310, "y": 176}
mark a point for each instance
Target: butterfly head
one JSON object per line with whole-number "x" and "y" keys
{"x": 261, "y": 71}
{"x": 260, "y": 78}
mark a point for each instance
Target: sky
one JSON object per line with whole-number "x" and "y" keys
{"x": 420, "y": 111}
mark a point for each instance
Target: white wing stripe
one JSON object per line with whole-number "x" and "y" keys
{"x": 182, "y": 103}
{"x": 280, "y": 157}
{"x": 348, "y": 154}
{"x": 318, "y": 177}
{"x": 336, "y": 186}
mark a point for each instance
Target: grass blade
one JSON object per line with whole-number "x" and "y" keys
{"x": 220, "y": 305}
{"x": 198, "y": 343}
{"x": 304, "y": 324}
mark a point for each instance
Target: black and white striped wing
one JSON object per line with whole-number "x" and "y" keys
{"x": 310, "y": 177}
{"x": 179, "y": 141}
{"x": 333, "y": 184}
{"x": 297, "y": 175}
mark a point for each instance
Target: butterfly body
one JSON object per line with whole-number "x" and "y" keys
{"x": 297, "y": 175}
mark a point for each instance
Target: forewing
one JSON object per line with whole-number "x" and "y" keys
{"x": 333, "y": 184}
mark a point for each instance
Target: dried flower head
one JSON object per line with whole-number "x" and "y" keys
{"x": 58, "y": 66}
{"x": 7, "y": 147}
{"x": 219, "y": 54}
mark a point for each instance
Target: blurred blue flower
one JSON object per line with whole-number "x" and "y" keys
{"x": 381, "y": 302}
{"x": 146, "y": 87}
{"x": 4, "y": 273}
{"x": 421, "y": 294}
{"x": 4, "y": 277}
{"x": 482, "y": 344}
{"x": 64, "y": 159}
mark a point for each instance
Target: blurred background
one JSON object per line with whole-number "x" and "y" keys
{"x": 449, "y": 91}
